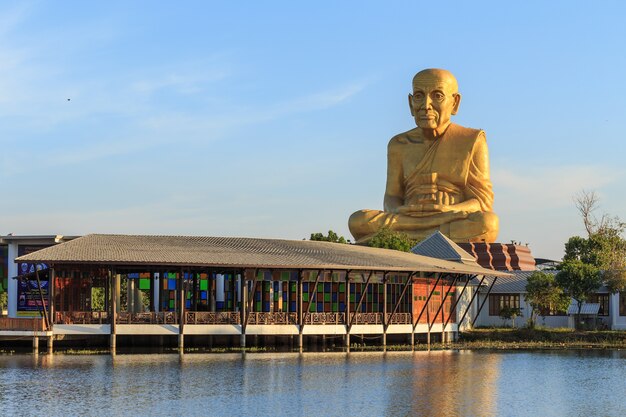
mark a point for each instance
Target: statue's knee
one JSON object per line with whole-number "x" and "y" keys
{"x": 359, "y": 220}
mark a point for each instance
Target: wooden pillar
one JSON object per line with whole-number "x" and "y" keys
{"x": 347, "y": 312}
{"x": 181, "y": 309}
{"x": 443, "y": 310}
{"x": 428, "y": 314}
{"x": 300, "y": 312}
{"x": 232, "y": 291}
{"x": 35, "y": 344}
{"x": 50, "y": 344}
{"x": 244, "y": 305}
{"x": 384, "y": 312}
{"x": 413, "y": 315}
{"x": 209, "y": 295}
{"x": 194, "y": 292}
{"x": 51, "y": 288}
{"x": 113, "y": 281}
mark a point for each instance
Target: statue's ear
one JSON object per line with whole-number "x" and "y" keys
{"x": 457, "y": 101}
{"x": 411, "y": 104}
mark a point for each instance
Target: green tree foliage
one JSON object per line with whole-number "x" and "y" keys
{"x": 598, "y": 258}
{"x": 543, "y": 294}
{"x": 4, "y": 299}
{"x": 604, "y": 247}
{"x": 332, "y": 237}
{"x": 389, "y": 239}
{"x": 579, "y": 281}
{"x": 510, "y": 313}
{"x": 97, "y": 299}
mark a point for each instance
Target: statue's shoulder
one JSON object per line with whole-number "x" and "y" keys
{"x": 465, "y": 133}
{"x": 406, "y": 138}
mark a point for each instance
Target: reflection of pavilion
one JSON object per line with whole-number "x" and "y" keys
{"x": 191, "y": 286}
{"x": 455, "y": 383}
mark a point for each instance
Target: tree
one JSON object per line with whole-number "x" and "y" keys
{"x": 579, "y": 281}
{"x": 510, "y": 313}
{"x": 332, "y": 237}
{"x": 388, "y": 239}
{"x": 544, "y": 294}
{"x": 598, "y": 258}
{"x": 604, "y": 246}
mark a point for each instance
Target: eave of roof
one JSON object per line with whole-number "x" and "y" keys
{"x": 198, "y": 251}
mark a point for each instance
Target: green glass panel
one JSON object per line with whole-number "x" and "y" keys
{"x": 204, "y": 285}
{"x": 327, "y": 297}
{"x": 342, "y": 287}
{"x": 305, "y": 297}
{"x": 144, "y": 284}
{"x": 351, "y": 298}
{"x": 320, "y": 287}
{"x": 172, "y": 304}
{"x": 284, "y": 305}
{"x": 312, "y": 308}
{"x": 335, "y": 308}
{"x": 258, "y": 306}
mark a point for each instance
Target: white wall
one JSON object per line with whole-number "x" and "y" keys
{"x": 548, "y": 321}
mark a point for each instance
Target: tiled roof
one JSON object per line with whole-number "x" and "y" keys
{"x": 514, "y": 284}
{"x": 239, "y": 252}
{"x": 440, "y": 246}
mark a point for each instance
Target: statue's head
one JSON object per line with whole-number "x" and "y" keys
{"x": 435, "y": 98}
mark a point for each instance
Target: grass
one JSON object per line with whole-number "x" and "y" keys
{"x": 541, "y": 338}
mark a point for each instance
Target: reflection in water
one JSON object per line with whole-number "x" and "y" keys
{"x": 317, "y": 384}
{"x": 454, "y": 384}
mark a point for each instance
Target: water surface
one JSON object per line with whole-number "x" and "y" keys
{"x": 466, "y": 383}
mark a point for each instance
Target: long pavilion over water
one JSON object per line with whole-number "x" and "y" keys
{"x": 223, "y": 286}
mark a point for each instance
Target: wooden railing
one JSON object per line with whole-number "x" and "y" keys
{"x": 207, "y": 317}
{"x": 11, "y": 324}
{"x": 162, "y": 317}
{"x": 81, "y": 317}
{"x": 368, "y": 318}
{"x": 399, "y": 318}
{"x": 273, "y": 318}
{"x": 324, "y": 318}
{"x": 203, "y": 317}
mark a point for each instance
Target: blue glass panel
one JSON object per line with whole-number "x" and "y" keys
{"x": 171, "y": 284}
{"x": 133, "y": 276}
{"x": 188, "y": 304}
{"x": 292, "y": 306}
{"x": 320, "y": 307}
{"x": 219, "y": 305}
{"x": 203, "y": 295}
{"x": 342, "y": 307}
{"x": 327, "y": 287}
{"x": 334, "y": 297}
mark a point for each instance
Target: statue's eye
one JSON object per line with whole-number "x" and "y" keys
{"x": 438, "y": 95}
{"x": 418, "y": 96}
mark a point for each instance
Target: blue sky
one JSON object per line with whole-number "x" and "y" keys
{"x": 271, "y": 119}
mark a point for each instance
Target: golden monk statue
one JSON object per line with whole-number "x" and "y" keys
{"x": 437, "y": 173}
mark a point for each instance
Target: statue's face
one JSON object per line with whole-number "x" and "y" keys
{"x": 434, "y": 100}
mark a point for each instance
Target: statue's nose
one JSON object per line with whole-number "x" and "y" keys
{"x": 427, "y": 102}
